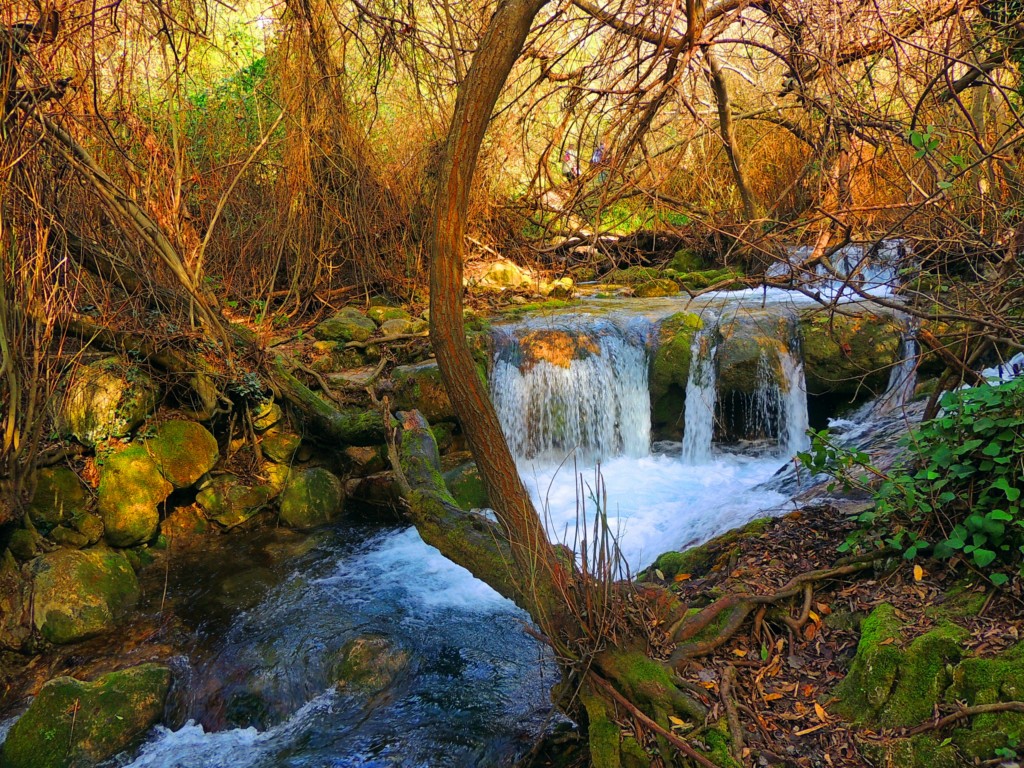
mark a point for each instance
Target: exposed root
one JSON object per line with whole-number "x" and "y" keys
{"x": 966, "y": 712}
{"x": 732, "y": 716}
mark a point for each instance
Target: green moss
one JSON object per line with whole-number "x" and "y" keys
{"x": 58, "y": 496}
{"x": 105, "y": 399}
{"x": 719, "y": 746}
{"x": 467, "y": 487}
{"x": 685, "y": 260}
{"x": 183, "y": 451}
{"x": 921, "y": 751}
{"x": 603, "y": 734}
{"x": 844, "y": 355}
{"x": 130, "y": 489}
{"x": 72, "y": 723}
{"x": 988, "y": 681}
{"x": 655, "y": 288}
{"x": 700, "y": 559}
{"x": 311, "y": 498}
{"x": 279, "y": 445}
{"x": 670, "y": 369}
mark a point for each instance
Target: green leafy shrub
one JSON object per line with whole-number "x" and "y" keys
{"x": 958, "y": 490}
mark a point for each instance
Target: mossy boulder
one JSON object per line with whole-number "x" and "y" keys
{"x": 229, "y": 501}
{"x": 183, "y": 451}
{"x": 699, "y": 560}
{"x": 89, "y": 525}
{"x": 502, "y": 275}
{"x": 266, "y": 414}
{"x": 80, "y": 593}
{"x": 74, "y": 723}
{"x": 655, "y": 288}
{"x": 279, "y": 445}
{"x": 184, "y": 526}
{"x": 988, "y": 681}
{"x": 58, "y": 497}
{"x": 396, "y": 327}
{"x": 467, "y": 487}
{"x": 727, "y": 279}
{"x": 670, "y": 369}
{"x": 419, "y": 387}
{"x": 848, "y": 355}
{"x": 382, "y": 315}
{"x": 15, "y": 604}
{"x": 921, "y": 751}
{"x": 25, "y": 543}
{"x": 348, "y": 325}
{"x": 751, "y": 342}
{"x": 131, "y": 487}
{"x": 108, "y": 398}
{"x": 370, "y": 664}
{"x": 685, "y": 260}
{"x": 892, "y": 686}
{"x": 311, "y": 498}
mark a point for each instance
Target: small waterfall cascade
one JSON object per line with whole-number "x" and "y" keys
{"x": 794, "y": 405}
{"x": 902, "y": 377}
{"x": 701, "y": 397}
{"x": 574, "y": 385}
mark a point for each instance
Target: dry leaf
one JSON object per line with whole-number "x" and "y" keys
{"x": 772, "y": 696}
{"x": 820, "y": 712}
{"x": 676, "y": 721}
{"x": 681, "y": 577}
{"x": 918, "y": 573}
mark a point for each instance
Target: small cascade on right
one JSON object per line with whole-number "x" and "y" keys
{"x": 701, "y": 396}
{"x": 902, "y": 377}
{"x": 796, "y": 420}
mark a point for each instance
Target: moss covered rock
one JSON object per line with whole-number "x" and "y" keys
{"x": 419, "y": 387}
{"x": 655, "y": 288}
{"x": 74, "y": 723}
{"x": 685, "y": 260}
{"x": 311, "y": 498}
{"x": 699, "y": 560}
{"x": 80, "y": 593}
{"x": 748, "y": 343}
{"x": 58, "y": 497}
{"x": 348, "y": 325}
{"x": 467, "y": 487}
{"x": 183, "y": 451}
{"x": 844, "y": 355}
{"x": 988, "y": 681}
{"x": 922, "y": 751}
{"x": 266, "y": 414}
{"x": 184, "y": 526}
{"x": 382, "y": 314}
{"x": 105, "y": 399}
{"x": 230, "y": 502}
{"x": 370, "y": 664}
{"x": 131, "y": 487}
{"x": 396, "y": 327}
{"x": 670, "y": 369}
{"x": 502, "y": 275}
{"x": 279, "y": 445}
{"x": 554, "y": 346}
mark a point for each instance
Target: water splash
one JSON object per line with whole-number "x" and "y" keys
{"x": 575, "y": 387}
{"x": 794, "y": 402}
{"x": 701, "y": 396}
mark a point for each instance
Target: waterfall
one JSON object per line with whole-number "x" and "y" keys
{"x": 701, "y": 394}
{"x": 575, "y": 387}
{"x": 794, "y": 405}
{"x": 902, "y": 377}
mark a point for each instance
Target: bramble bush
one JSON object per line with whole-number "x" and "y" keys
{"x": 958, "y": 489}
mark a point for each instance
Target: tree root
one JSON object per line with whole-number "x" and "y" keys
{"x": 732, "y": 716}
{"x": 966, "y": 712}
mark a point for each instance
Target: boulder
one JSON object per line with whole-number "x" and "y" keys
{"x": 311, "y": 498}
{"x": 184, "y": 526}
{"x": 267, "y": 413}
{"x": 59, "y": 495}
{"x": 419, "y": 387}
{"x": 382, "y": 315}
{"x": 846, "y": 355}
{"x": 131, "y": 487}
{"x": 105, "y": 399}
{"x": 747, "y": 342}
{"x": 502, "y": 275}
{"x": 25, "y": 543}
{"x": 75, "y": 723}
{"x": 89, "y": 525}
{"x": 655, "y": 288}
{"x": 554, "y": 346}
{"x": 183, "y": 451}
{"x": 279, "y": 445}
{"x": 80, "y": 593}
{"x": 370, "y": 664}
{"x": 396, "y": 327}
{"x": 230, "y": 502}
{"x": 348, "y": 325}
{"x": 670, "y": 370}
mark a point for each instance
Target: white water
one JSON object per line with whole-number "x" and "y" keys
{"x": 795, "y": 405}
{"x": 701, "y": 395}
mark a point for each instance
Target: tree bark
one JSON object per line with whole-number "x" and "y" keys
{"x": 727, "y": 131}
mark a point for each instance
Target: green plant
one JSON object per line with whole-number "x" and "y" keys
{"x": 959, "y": 490}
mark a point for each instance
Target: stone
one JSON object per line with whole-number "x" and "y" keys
{"x": 58, "y": 496}
{"x": 25, "y": 544}
{"x": 75, "y": 723}
{"x": 555, "y": 347}
{"x": 419, "y": 387}
{"x": 396, "y": 327}
{"x": 848, "y": 356}
{"x": 978, "y": 681}
{"x": 364, "y": 460}
{"x": 670, "y": 370}
{"x": 275, "y": 475}
{"x": 749, "y": 341}
{"x": 685, "y": 260}
{"x": 280, "y": 445}
{"x": 89, "y": 525}
{"x": 562, "y": 288}
{"x": 230, "y": 502}
{"x": 655, "y": 288}
{"x": 467, "y": 487}
{"x": 311, "y": 498}
{"x": 370, "y": 664}
{"x": 131, "y": 487}
{"x": 108, "y": 398}
{"x": 382, "y": 315}
{"x": 183, "y": 451}
{"x": 348, "y": 325}
{"x": 184, "y": 526}
{"x": 266, "y": 414}
{"x": 81, "y": 593}
{"x": 15, "y": 604}
{"x": 69, "y": 537}
{"x": 502, "y": 275}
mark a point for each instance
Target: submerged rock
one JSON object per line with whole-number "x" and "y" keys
{"x": 183, "y": 451}
{"x": 311, "y": 498}
{"x": 80, "y": 593}
{"x": 105, "y": 399}
{"x": 131, "y": 487}
{"x": 59, "y": 495}
{"x": 370, "y": 664}
{"x": 75, "y": 723}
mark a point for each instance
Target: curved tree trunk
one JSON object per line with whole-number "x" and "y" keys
{"x": 727, "y": 130}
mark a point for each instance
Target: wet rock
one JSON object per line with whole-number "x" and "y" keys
{"x": 748, "y": 342}
{"x": 670, "y": 370}
{"x": 80, "y": 593}
{"x": 848, "y": 355}
{"x": 419, "y": 387}
{"x": 184, "y": 526}
{"x": 467, "y": 487}
{"x": 105, "y": 399}
{"x": 370, "y": 664}
{"x": 348, "y": 325}
{"x": 279, "y": 445}
{"x": 131, "y": 487}
{"x": 556, "y": 347}
{"x": 59, "y": 495}
{"x": 230, "y": 502}
{"x": 15, "y": 611}
{"x": 75, "y": 723}
{"x": 311, "y": 498}
{"x": 183, "y": 451}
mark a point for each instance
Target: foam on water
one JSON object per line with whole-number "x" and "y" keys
{"x": 658, "y": 503}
